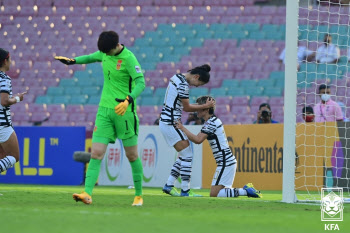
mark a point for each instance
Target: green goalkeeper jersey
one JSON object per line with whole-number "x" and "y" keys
{"x": 122, "y": 76}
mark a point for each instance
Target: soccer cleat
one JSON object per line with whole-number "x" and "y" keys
{"x": 138, "y": 201}
{"x": 84, "y": 197}
{"x": 251, "y": 191}
{"x": 189, "y": 193}
{"x": 171, "y": 190}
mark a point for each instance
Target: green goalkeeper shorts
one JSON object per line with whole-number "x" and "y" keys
{"x": 109, "y": 126}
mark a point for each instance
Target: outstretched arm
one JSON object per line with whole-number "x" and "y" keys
{"x": 195, "y": 107}
{"x": 198, "y": 139}
{"x": 85, "y": 59}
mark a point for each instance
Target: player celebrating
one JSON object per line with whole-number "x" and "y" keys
{"x": 213, "y": 130}
{"x": 116, "y": 116}
{"x": 176, "y": 99}
{"x": 9, "y": 149}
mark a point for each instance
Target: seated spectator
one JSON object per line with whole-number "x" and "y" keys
{"x": 303, "y": 54}
{"x": 194, "y": 120}
{"x": 327, "y": 52}
{"x": 308, "y": 114}
{"x": 264, "y": 115}
{"x": 327, "y": 109}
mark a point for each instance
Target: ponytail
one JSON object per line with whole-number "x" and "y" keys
{"x": 203, "y": 72}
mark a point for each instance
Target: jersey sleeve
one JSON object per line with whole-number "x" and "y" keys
{"x": 184, "y": 91}
{"x": 133, "y": 67}
{"x": 208, "y": 128}
{"x": 5, "y": 85}
{"x": 90, "y": 58}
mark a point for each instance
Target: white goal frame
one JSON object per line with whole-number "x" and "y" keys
{"x": 290, "y": 99}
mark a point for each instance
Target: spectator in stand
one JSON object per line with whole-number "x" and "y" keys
{"x": 303, "y": 55}
{"x": 308, "y": 114}
{"x": 328, "y": 52}
{"x": 264, "y": 115}
{"x": 327, "y": 109}
{"x": 192, "y": 117}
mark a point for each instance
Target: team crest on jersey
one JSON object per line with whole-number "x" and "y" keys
{"x": 119, "y": 64}
{"x": 95, "y": 128}
{"x": 138, "y": 70}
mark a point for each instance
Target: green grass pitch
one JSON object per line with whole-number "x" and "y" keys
{"x": 51, "y": 209}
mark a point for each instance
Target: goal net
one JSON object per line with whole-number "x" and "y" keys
{"x": 322, "y": 148}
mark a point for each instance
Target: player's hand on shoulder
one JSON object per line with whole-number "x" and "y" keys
{"x": 66, "y": 60}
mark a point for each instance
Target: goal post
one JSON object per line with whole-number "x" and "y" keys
{"x": 316, "y": 155}
{"x": 290, "y": 90}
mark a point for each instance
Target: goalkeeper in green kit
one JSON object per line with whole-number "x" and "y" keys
{"x": 116, "y": 116}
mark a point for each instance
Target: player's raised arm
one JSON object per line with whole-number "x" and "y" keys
{"x": 85, "y": 59}
{"x": 195, "y": 107}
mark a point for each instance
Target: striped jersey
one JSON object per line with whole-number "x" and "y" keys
{"x": 5, "y": 87}
{"x": 178, "y": 89}
{"x": 218, "y": 142}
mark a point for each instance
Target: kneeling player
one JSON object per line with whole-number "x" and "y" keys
{"x": 213, "y": 130}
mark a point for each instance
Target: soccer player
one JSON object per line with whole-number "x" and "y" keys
{"x": 9, "y": 149}
{"x": 176, "y": 99}
{"x": 116, "y": 116}
{"x": 213, "y": 130}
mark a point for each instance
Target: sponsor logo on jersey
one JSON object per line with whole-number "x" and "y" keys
{"x": 119, "y": 64}
{"x": 138, "y": 70}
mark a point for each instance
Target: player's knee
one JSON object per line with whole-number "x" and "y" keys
{"x": 132, "y": 156}
{"x": 213, "y": 194}
{"x": 97, "y": 153}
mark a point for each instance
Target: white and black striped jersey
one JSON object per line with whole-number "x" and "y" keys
{"x": 218, "y": 142}
{"x": 178, "y": 89}
{"x": 5, "y": 87}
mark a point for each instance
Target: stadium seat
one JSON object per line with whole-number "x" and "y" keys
{"x": 273, "y": 91}
{"x": 150, "y": 101}
{"x": 235, "y": 91}
{"x": 93, "y": 100}
{"x": 43, "y": 100}
{"x": 65, "y": 99}
{"x": 55, "y": 91}
{"x": 254, "y": 91}
{"x": 230, "y": 83}
{"x": 220, "y": 91}
{"x": 200, "y": 91}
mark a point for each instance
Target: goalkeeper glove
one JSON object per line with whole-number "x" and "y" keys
{"x": 120, "y": 109}
{"x": 66, "y": 60}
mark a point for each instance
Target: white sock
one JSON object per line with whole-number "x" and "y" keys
{"x": 175, "y": 173}
{"x": 7, "y": 163}
{"x": 228, "y": 192}
{"x": 186, "y": 156}
{"x": 242, "y": 192}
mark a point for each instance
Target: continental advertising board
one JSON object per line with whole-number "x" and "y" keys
{"x": 259, "y": 153}
{"x": 321, "y": 158}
